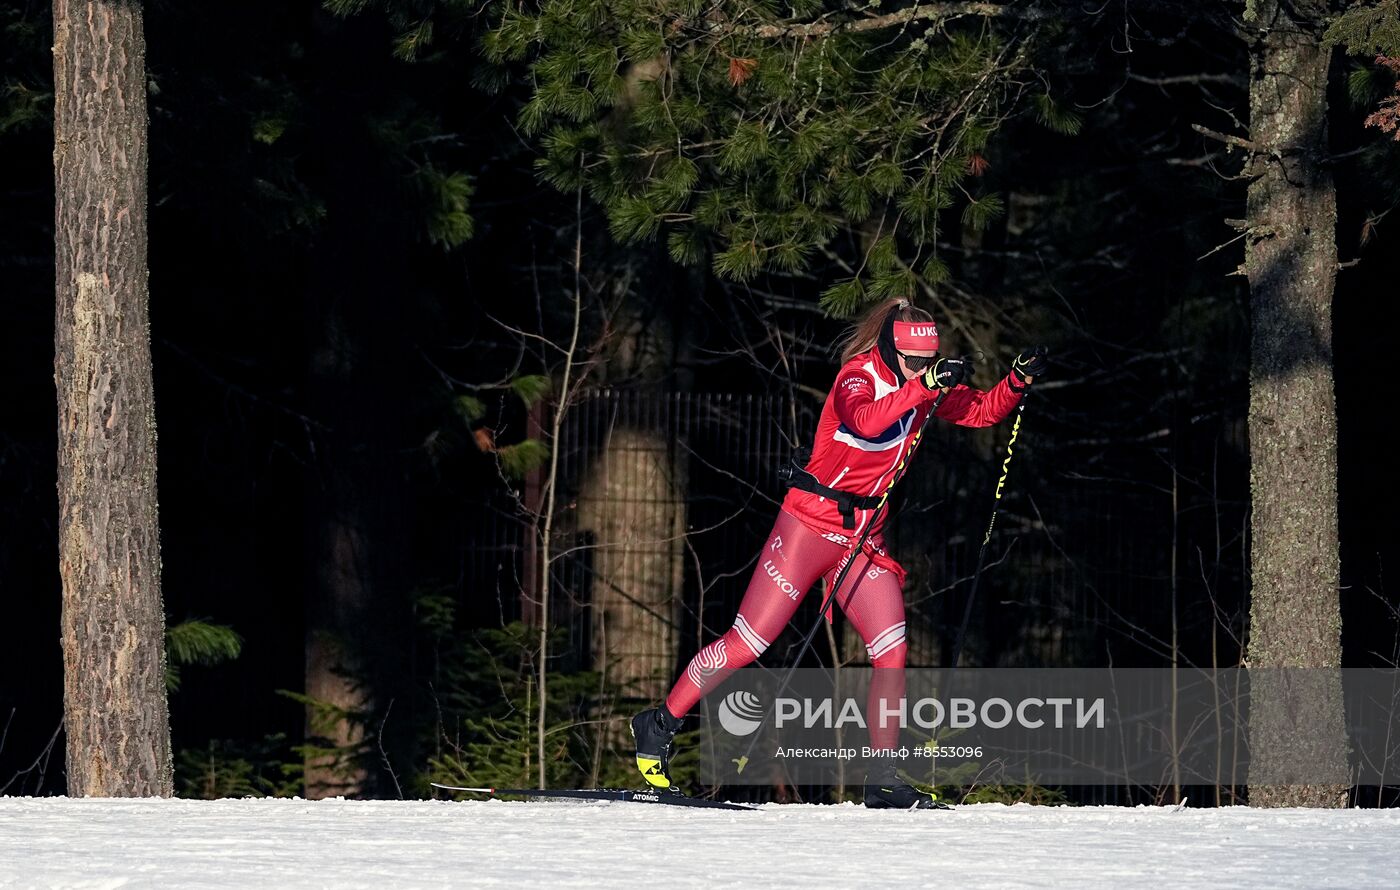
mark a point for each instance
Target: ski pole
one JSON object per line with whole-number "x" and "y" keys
{"x": 743, "y": 760}
{"x": 982, "y": 553}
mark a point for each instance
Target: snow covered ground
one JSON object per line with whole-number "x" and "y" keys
{"x": 56, "y": 842}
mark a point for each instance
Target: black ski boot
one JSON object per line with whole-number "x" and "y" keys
{"x": 884, "y": 790}
{"x": 653, "y": 729}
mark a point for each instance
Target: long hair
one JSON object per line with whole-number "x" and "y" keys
{"x": 864, "y": 334}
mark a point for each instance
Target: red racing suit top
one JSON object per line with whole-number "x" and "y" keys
{"x": 869, "y": 426}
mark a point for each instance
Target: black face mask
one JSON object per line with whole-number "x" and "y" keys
{"x": 885, "y": 344}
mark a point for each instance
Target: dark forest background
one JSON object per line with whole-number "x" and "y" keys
{"x": 345, "y": 243}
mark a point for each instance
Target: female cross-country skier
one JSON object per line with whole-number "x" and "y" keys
{"x": 890, "y": 379}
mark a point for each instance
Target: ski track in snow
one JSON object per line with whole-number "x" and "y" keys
{"x": 69, "y": 843}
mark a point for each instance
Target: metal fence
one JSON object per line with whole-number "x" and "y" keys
{"x": 1104, "y": 553}
{"x": 665, "y": 498}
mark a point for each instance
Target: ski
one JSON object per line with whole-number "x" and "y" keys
{"x": 624, "y": 795}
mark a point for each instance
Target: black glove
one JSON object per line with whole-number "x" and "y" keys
{"x": 1030, "y": 363}
{"x": 947, "y": 373}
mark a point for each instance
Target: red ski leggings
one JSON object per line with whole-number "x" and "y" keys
{"x": 794, "y": 557}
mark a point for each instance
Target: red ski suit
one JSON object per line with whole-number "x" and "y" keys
{"x": 868, "y": 427}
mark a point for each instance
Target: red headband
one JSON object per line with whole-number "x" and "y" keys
{"x": 915, "y": 335}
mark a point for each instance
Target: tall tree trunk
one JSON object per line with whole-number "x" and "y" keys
{"x": 1298, "y": 740}
{"x": 633, "y": 499}
{"x": 359, "y": 313}
{"x": 115, "y": 708}
{"x": 338, "y": 603}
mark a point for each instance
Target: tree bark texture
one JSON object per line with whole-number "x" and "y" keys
{"x": 633, "y": 500}
{"x": 1298, "y": 740}
{"x": 113, "y": 624}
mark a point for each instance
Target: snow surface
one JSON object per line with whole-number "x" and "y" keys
{"x": 60, "y": 842}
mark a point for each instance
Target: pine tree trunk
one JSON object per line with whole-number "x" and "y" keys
{"x": 359, "y": 349}
{"x": 344, "y": 532}
{"x": 633, "y": 499}
{"x": 1298, "y": 741}
{"x": 113, "y": 625}
{"x": 338, "y": 600}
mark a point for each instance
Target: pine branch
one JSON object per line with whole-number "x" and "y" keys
{"x": 915, "y": 13}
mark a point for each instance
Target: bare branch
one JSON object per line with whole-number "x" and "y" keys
{"x": 1220, "y": 247}
{"x": 918, "y": 12}
{"x": 1204, "y": 161}
{"x": 1236, "y": 141}
{"x": 552, "y": 483}
{"x": 1176, "y": 79}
